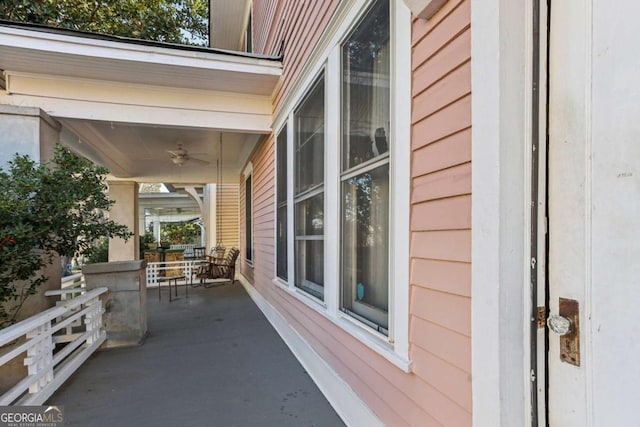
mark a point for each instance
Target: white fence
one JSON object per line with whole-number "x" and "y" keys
{"x": 187, "y": 268}
{"x": 52, "y": 354}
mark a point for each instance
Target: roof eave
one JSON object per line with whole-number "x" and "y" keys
{"x": 67, "y": 53}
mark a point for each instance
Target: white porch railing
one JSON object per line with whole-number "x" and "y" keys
{"x": 74, "y": 282}
{"x": 50, "y": 364}
{"x": 157, "y": 270}
{"x": 70, "y": 287}
{"x": 187, "y": 248}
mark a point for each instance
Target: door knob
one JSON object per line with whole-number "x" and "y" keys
{"x": 559, "y": 325}
{"x": 566, "y": 324}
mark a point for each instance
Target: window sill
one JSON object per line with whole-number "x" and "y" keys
{"x": 372, "y": 339}
{"x": 304, "y": 297}
{"x": 248, "y": 263}
{"x": 367, "y": 336}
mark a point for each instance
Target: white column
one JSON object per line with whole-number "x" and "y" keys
{"x": 191, "y": 191}
{"x": 125, "y": 212}
{"x": 209, "y": 214}
{"x": 156, "y": 229}
{"x": 141, "y": 222}
{"x": 30, "y": 131}
{"x": 21, "y": 130}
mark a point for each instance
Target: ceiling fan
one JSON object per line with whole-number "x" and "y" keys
{"x": 180, "y": 156}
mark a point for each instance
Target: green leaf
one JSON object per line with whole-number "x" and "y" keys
{"x": 56, "y": 208}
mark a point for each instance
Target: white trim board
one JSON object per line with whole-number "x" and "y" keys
{"x": 501, "y": 143}
{"x": 80, "y": 98}
{"x": 352, "y": 410}
{"x": 26, "y": 50}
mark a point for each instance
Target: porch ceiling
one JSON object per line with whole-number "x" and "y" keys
{"x": 123, "y": 103}
{"x": 139, "y": 152}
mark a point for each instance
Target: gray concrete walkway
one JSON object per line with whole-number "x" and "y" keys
{"x": 209, "y": 360}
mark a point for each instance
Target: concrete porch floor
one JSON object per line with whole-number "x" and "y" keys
{"x": 210, "y": 360}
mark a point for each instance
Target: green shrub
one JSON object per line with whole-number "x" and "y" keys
{"x": 52, "y": 208}
{"x": 99, "y": 252}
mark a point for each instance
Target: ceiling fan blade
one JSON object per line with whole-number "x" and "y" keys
{"x": 202, "y": 162}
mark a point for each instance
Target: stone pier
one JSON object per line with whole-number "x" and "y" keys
{"x": 125, "y": 317}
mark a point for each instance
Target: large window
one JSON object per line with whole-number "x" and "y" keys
{"x": 309, "y": 192}
{"x": 365, "y": 169}
{"x": 281, "y": 204}
{"x": 343, "y": 159}
{"x": 248, "y": 219}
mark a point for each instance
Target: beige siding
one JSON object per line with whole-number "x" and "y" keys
{"x": 246, "y": 269}
{"x": 228, "y": 215}
{"x": 261, "y": 270}
{"x": 438, "y": 391}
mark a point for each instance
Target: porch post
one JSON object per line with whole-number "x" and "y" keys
{"x": 142, "y": 222}
{"x": 31, "y": 131}
{"x": 124, "y": 211}
{"x": 27, "y": 130}
{"x": 209, "y": 215}
{"x": 156, "y": 228}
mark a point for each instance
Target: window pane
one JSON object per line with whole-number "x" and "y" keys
{"x": 309, "y": 245}
{"x": 310, "y": 267}
{"x": 309, "y": 145}
{"x": 281, "y": 220}
{"x": 282, "y": 241}
{"x": 248, "y": 220}
{"x": 365, "y": 246}
{"x": 365, "y": 94}
{"x": 282, "y": 166}
{"x": 309, "y": 216}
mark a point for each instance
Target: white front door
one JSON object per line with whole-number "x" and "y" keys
{"x": 594, "y": 211}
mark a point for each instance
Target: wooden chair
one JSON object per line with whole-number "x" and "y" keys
{"x": 217, "y": 253}
{"x": 226, "y": 268}
{"x": 199, "y": 252}
{"x": 198, "y": 257}
{"x": 207, "y": 269}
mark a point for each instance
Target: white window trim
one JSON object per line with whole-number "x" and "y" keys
{"x": 395, "y": 347}
{"x": 291, "y": 268}
{"x": 279, "y": 130}
{"x": 309, "y": 192}
{"x": 400, "y": 176}
{"x": 332, "y": 183}
{"x": 248, "y": 173}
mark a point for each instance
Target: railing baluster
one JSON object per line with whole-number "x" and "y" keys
{"x": 44, "y": 372}
{"x": 40, "y": 357}
{"x": 93, "y": 320}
